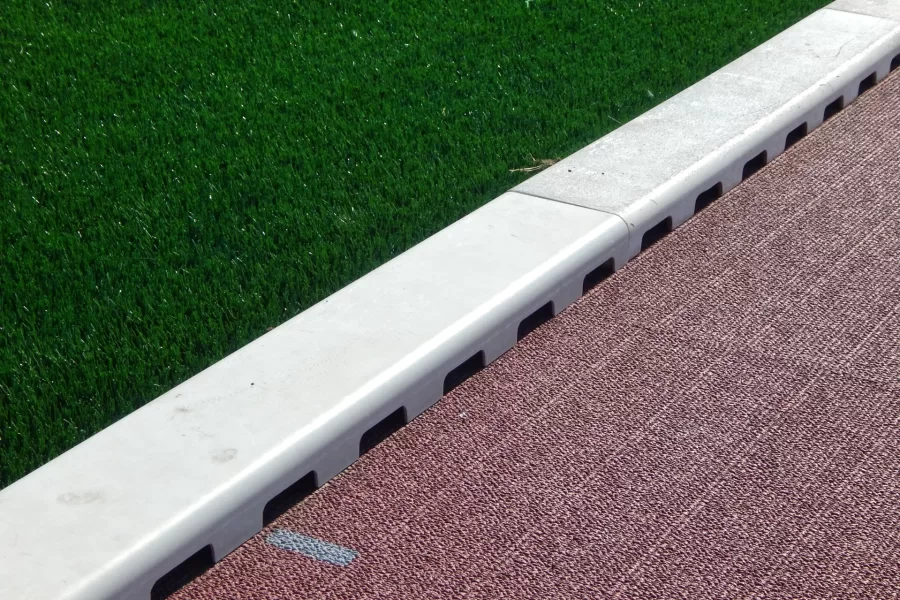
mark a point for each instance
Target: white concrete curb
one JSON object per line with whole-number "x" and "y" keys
{"x": 192, "y": 473}
{"x": 707, "y": 138}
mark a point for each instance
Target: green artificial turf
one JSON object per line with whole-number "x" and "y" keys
{"x": 177, "y": 177}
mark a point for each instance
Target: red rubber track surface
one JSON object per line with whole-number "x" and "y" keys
{"x": 720, "y": 419}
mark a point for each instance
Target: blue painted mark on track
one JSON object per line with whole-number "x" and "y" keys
{"x": 311, "y": 547}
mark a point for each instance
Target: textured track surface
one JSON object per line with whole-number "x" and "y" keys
{"x": 719, "y": 419}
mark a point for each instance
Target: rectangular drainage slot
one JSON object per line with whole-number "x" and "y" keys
{"x": 656, "y": 233}
{"x": 382, "y": 430}
{"x": 895, "y": 63}
{"x": 183, "y": 574}
{"x": 289, "y": 498}
{"x": 598, "y": 275}
{"x": 472, "y": 365}
{"x": 535, "y": 320}
{"x": 754, "y": 164}
{"x": 867, "y": 84}
{"x": 797, "y": 133}
{"x": 708, "y": 197}
{"x": 834, "y": 108}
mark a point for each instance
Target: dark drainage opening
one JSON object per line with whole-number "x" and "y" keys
{"x": 472, "y": 365}
{"x": 708, "y": 197}
{"x": 598, "y": 275}
{"x": 183, "y": 574}
{"x": 796, "y": 134}
{"x": 834, "y": 108}
{"x": 289, "y": 498}
{"x": 895, "y": 63}
{"x": 535, "y": 320}
{"x": 754, "y": 164}
{"x": 656, "y": 233}
{"x": 867, "y": 84}
{"x": 382, "y": 430}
